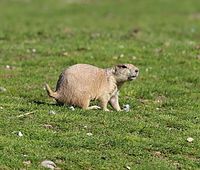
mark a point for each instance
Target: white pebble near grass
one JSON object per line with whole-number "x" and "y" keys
{"x": 157, "y": 108}
{"x": 89, "y": 134}
{"x": 190, "y": 139}
{"x": 126, "y": 107}
{"x": 48, "y": 164}
{"x": 8, "y": 67}
{"x": 128, "y": 167}
{"x": 33, "y": 50}
{"x": 2, "y": 89}
{"x": 51, "y": 112}
{"x": 121, "y": 55}
{"x": 65, "y": 54}
{"x": 20, "y": 134}
{"x": 27, "y": 162}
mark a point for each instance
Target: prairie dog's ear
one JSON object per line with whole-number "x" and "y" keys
{"x": 121, "y": 66}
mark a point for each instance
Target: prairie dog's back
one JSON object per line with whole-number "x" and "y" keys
{"x": 82, "y": 79}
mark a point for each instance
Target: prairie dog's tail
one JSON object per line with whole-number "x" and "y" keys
{"x": 50, "y": 92}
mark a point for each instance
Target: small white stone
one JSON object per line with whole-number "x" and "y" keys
{"x": 121, "y": 55}
{"x": 1, "y": 107}
{"x": 33, "y": 50}
{"x": 89, "y": 134}
{"x": 134, "y": 57}
{"x": 128, "y": 167}
{"x": 2, "y": 89}
{"x": 65, "y": 54}
{"x": 8, "y": 67}
{"x": 72, "y": 108}
{"x": 20, "y": 134}
{"x": 85, "y": 126}
{"x": 52, "y": 112}
{"x": 157, "y": 153}
{"x": 48, "y": 164}
{"x": 48, "y": 126}
{"x": 27, "y": 162}
{"x": 190, "y": 139}
{"x": 126, "y": 107}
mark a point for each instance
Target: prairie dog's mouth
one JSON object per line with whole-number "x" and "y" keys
{"x": 132, "y": 77}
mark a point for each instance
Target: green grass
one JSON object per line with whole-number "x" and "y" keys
{"x": 161, "y": 37}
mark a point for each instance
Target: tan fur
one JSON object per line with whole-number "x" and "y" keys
{"x": 81, "y": 83}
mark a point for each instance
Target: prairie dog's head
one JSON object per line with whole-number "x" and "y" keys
{"x": 125, "y": 72}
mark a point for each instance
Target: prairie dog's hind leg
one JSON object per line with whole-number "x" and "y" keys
{"x": 85, "y": 104}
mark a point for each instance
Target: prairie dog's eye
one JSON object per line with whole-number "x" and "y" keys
{"x": 122, "y": 66}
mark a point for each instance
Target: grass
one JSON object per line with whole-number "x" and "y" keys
{"x": 38, "y": 39}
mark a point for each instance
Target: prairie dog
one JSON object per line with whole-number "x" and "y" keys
{"x": 81, "y": 83}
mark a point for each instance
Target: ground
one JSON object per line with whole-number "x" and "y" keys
{"x": 38, "y": 39}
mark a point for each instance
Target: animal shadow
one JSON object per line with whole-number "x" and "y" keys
{"x": 37, "y": 102}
